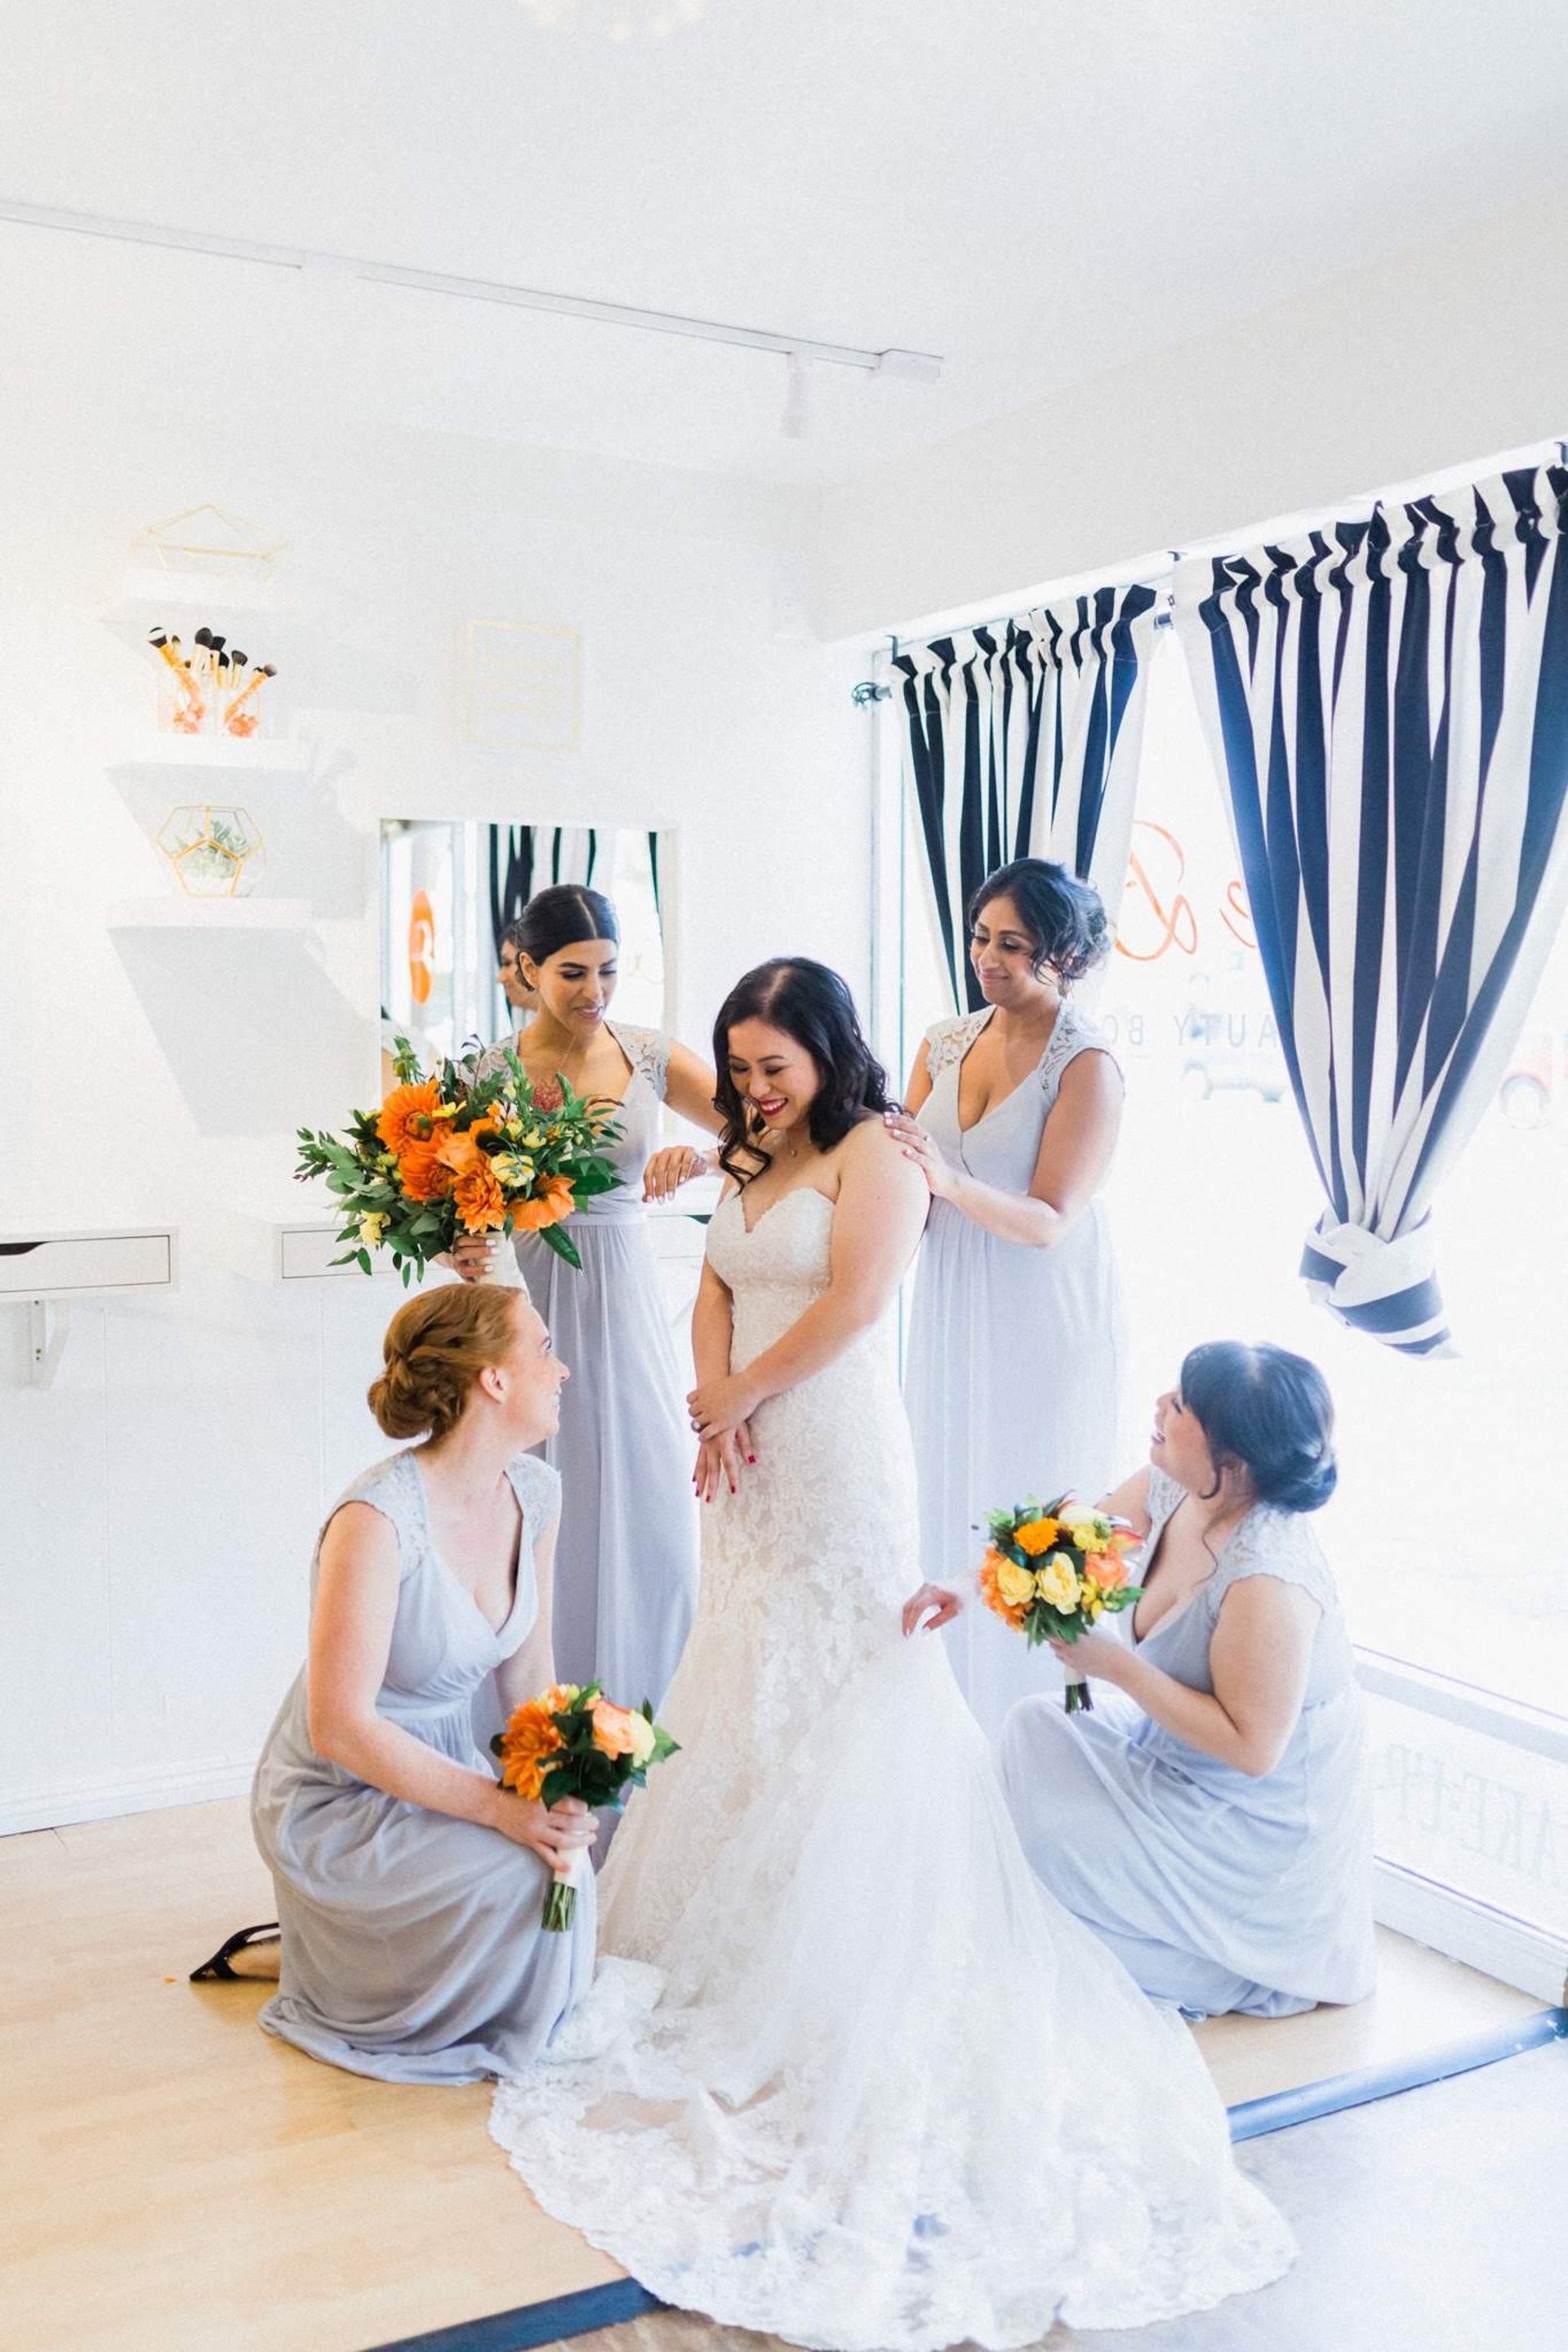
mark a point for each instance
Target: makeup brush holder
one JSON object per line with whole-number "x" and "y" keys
{"x": 205, "y": 688}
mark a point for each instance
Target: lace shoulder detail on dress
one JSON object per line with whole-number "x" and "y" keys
{"x": 1074, "y": 1034}
{"x": 947, "y": 1042}
{"x": 491, "y": 1060}
{"x": 392, "y": 1489}
{"x": 648, "y": 1051}
{"x": 1271, "y": 1542}
{"x": 537, "y": 1486}
{"x": 1164, "y": 1494}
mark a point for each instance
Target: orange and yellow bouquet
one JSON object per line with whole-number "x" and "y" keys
{"x": 456, "y": 1153}
{"x": 571, "y": 1741}
{"x": 1054, "y": 1570}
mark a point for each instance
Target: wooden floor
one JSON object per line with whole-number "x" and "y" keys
{"x": 172, "y": 2178}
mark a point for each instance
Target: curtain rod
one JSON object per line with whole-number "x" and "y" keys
{"x": 919, "y": 367}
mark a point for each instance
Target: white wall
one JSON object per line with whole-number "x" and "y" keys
{"x": 1451, "y": 352}
{"x": 157, "y": 1505}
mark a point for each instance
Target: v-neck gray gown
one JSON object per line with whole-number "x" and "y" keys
{"x": 414, "y": 1946}
{"x": 625, "y": 1562}
{"x": 1016, "y": 1365}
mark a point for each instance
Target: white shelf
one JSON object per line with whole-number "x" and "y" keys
{"x": 66, "y": 1265}
{"x": 235, "y": 756}
{"x": 177, "y": 912}
{"x": 152, "y": 593}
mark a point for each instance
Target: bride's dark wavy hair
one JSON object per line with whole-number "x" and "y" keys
{"x": 813, "y": 1006}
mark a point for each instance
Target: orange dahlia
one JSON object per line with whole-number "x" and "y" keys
{"x": 422, "y": 1173}
{"x": 478, "y": 1198}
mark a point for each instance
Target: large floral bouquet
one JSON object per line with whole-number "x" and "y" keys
{"x": 456, "y": 1153}
{"x": 571, "y": 1741}
{"x": 1054, "y": 1570}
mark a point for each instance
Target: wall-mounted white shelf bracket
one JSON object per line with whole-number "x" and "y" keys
{"x": 47, "y": 1323}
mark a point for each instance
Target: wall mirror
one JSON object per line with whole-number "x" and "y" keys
{"x": 447, "y": 892}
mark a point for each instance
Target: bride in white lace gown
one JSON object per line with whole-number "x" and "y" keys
{"x": 892, "y": 2096}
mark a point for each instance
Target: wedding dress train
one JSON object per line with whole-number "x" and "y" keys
{"x": 877, "y": 2091}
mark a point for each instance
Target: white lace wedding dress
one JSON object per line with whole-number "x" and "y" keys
{"x": 891, "y": 2097}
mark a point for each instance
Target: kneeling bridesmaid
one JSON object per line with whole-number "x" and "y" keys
{"x": 1220, "y": 1842}
{"x": 1211, "y": 1822}
{"x": 410, "y": 1885}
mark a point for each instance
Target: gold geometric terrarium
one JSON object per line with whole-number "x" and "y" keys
{"x": 216, "y": 853}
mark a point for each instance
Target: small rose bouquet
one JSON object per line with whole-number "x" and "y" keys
{"x": 1054, "y": 1570}
{"x": 571, "y": 1741}
{"x": 459, "y": 1153}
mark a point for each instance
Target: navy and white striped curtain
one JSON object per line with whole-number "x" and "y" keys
{"x": 529, "y": 857}
{"x": 1388, "y": 702}
{"x": 1023, "y": 741}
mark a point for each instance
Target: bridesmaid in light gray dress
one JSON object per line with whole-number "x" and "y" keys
{"x": 626, "y": 1581}
{"x": 1016, "y": 1360}
{"x": 1213, "y": 1824}
{"x": 411, "y": 1886}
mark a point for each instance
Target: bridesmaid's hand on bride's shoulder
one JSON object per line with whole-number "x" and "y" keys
{"x": 942, "y": 1177}
{"x": 936, "y": 1604}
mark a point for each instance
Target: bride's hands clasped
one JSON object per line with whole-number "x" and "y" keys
{"x": 719, "y": 1464}
{"x": 942, "y": 1177}
{"x": 720, "y": 1406}
{"x": 721, "y": 1413}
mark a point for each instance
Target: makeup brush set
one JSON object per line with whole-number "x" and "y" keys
{"x": 215, "y": 687}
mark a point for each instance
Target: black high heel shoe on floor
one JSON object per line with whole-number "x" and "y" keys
{"x": 219, "y": 1970}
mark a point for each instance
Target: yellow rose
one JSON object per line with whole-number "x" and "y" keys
{"x": 372, "y": 1226}
{"x": 1088, "y": 1530}
{"x": 1056, "y": 1582}
{"x": 1036, "y": 1537}
{"x": 642, "y": 1739}
{"x": 1015, "y": 1584}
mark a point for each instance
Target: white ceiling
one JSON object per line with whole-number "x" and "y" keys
{"x": 1033, "y": 189}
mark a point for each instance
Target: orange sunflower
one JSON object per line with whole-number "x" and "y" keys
{"x": 527, "y": 1745}
{"x": 408, "y": 1119}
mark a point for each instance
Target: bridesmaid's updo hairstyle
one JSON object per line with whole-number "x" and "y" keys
{"x": 563, "y": 917}
{"x": 1065, "y": 918}
{"x": 1270, "y": 1413}
{"x": 814, "y": 1006}
{"x": 435, "y": 1347}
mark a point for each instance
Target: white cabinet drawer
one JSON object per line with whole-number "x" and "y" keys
{"x": 56, "y": 1265}
{"x": 305, "y": 1253}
